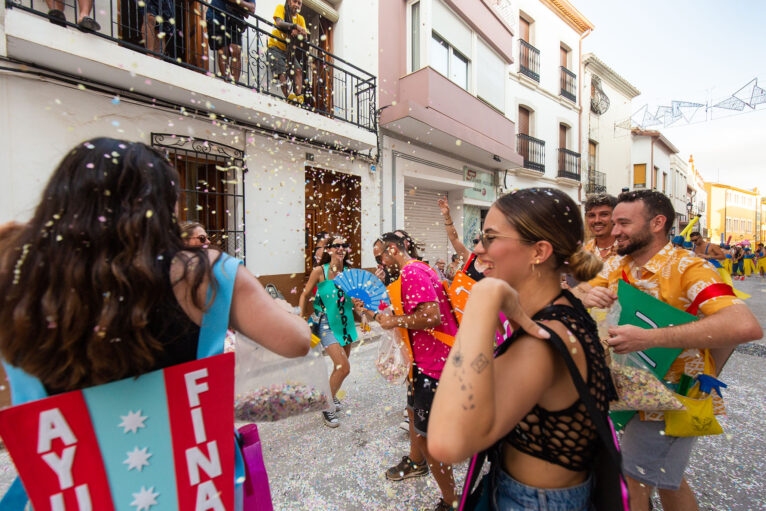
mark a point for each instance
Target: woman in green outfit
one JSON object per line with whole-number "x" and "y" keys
{"x": 337, "y": 329}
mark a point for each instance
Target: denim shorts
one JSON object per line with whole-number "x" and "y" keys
{"x": 511, "y": 495}
{"x": 326, "y": 337}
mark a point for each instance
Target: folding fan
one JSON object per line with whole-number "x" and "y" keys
{"x": 363, "y": 285}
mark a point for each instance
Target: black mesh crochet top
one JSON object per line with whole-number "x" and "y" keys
{"x": 567, "y": 437}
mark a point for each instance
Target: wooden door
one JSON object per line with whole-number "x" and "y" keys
{"x": 523, "y": 125}
{"x": 322, "y": 70}
{"x": 564, "y": 58}
{"x": 333, "y": 204}
{"x": 523, "y": 29}
{"x": 591, "y": 155}
{"x": 562, "y": 136}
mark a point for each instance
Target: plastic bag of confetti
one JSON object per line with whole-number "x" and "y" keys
{"x": 394, "y": 360}
{"x": 639, "y": 389}
{"x": 269, "y": 387}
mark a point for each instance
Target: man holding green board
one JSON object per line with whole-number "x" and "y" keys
{"x": 671, "y": 341}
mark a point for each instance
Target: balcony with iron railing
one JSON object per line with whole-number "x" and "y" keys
{"x": 568, "y": 84}
{"x": 332, "y": 86}
{"x": 533, "y": 152}
{"x": 569, "y": 164}
{"x": 596, "y": 182}
{"x": 529, "y": 60}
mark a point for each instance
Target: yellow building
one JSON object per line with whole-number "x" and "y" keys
{"x": 732, "y": 212}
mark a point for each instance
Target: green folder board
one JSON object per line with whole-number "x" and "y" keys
{"x": 645, "y": 311}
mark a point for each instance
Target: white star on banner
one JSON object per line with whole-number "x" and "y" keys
{"x": 145, "y": 499}
{"x": 132, "y": 421}
{"x": 138, "y": 459}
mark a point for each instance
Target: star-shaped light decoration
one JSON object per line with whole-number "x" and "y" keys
{"x": 145, "y": 499}
{"x": 138, "y": 459}
{"x": 132, "y": 421}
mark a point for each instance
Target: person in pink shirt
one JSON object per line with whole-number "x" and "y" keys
{"x": 426, "y": 310}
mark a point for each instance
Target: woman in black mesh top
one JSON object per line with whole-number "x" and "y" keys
{"x": 522, "y": 399}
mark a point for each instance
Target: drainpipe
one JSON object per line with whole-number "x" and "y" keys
{"x": 651, "y": 163}
{"x": 579, "y": 115}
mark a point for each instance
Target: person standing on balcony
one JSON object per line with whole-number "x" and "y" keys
{"x": 84, "y": 21}
{"x": 156, "y": 14}
{"x": 290, "y": 27}
{"x": 225, "y": 25}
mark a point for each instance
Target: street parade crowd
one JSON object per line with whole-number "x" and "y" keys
{"x": 574, "y": 374}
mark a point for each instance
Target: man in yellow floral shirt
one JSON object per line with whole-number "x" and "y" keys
{"x": 648, "y": 261}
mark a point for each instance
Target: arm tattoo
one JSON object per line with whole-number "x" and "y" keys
{"x": 480, "y": 363}
{"x": 458, "y": 359}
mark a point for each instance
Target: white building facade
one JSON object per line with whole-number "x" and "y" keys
{"x": 452, "y": 87}
{"x": 256, "y": 169}
{"x": 651, "y": 156}
{"x": 606, "y": 138}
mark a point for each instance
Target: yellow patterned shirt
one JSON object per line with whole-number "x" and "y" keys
{"x": 593, "y": 249}
{"x": 674, "y": 276}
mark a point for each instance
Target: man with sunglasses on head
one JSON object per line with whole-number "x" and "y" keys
{"x": 426, "y": 313}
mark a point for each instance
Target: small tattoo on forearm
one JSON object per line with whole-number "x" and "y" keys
{"x": 458, "y": 359}
{"x": 480, "y": 363}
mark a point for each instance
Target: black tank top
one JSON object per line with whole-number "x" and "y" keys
{"x": 567, "y": 437}
{"x": 470, "y": 269}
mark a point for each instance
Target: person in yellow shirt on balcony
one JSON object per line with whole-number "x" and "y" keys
{"x": 649, "y": 262}
{"x": 290, "y": 31}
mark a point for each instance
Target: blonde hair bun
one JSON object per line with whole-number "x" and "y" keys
{"x": 584, "y": 265}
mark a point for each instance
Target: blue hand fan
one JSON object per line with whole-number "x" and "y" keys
{"x": 363, "y": 285}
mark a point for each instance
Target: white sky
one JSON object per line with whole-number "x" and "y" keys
{"x": 699, "y": 51}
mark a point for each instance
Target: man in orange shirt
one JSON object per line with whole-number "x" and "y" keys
{"x": 642, "y": 220}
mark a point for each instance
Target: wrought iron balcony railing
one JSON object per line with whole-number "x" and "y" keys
{"x": 569, "y": 164}
{"x": 568, "y": 84}
{"x": 533, "y": 151}
{"x": 184, "y": 33}
{"x": 596, "y": 182}
{"x": 529, "y": 60}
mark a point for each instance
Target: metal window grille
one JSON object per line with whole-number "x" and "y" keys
{"x": 212, "y": 187}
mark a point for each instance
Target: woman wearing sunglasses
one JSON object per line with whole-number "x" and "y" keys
{"x": 194, "y": 235}
{"x": 337, "y": 329}
{"x": 520, "y": 399}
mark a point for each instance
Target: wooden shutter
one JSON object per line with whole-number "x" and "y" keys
{"x": 639, "y": 175}
{"x": 523, "y": 29}
{"x": 523, "y": 126}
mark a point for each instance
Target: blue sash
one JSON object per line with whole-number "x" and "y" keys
{"x": 215, "y": 323}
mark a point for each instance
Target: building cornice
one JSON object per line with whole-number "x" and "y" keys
{"x": 610, "y": 75}
{"x": 655, "y": 134}
{"x": 567, "y": 12}
{"x": 730, "y": 187}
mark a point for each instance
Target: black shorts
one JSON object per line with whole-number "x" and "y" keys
{"x": 420, "y": 397}
{"x": 223, "y": 30}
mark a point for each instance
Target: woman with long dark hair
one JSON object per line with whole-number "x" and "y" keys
{"x": 98, "y": 286}
{"x": 521, "y": 399}
{"x": 337, "y": 329}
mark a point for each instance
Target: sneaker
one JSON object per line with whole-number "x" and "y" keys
{"x": 330, "y": 419}
{"x": 405, "y": 425}
{"x": 338, "y": 406}
{"x": 444, "y": 506}
{"x": 405, "y": 414}
{"x": 406, "y": 469}
{"x": 300, "y": 99}
{"x": 292, "y": 97}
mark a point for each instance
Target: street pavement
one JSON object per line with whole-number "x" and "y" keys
{"x": 313, "y": 467}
